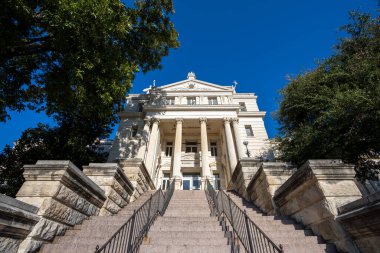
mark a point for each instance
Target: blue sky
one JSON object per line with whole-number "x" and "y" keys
{"x": 257, "y": 43}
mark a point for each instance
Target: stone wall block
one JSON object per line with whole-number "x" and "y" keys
{"x": 312, "y": 195}
{"x": 117, "y": 186}
{"x": 361, "y": 220}
{"x": 17, "y": 220}
{"x": 64, "y": 197}
{"x": 265, "y": 182}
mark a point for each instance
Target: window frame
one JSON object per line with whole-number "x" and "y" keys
{"x": 191, "y": 147}
{"x": 213, "y": 100}
{"x": 191, "y": 100}
{"x": 249, "y": 130}
{"x": 169, "y": 149}
{"x": 242, "y": 106}
{"x": 214, "y": 149}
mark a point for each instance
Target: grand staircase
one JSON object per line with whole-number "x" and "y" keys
{"x": 186, "y": 227}
{"x": 94, "y": 231}
{"x": 283, "y": 230}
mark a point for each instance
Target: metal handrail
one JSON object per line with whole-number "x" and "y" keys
{"x": 129, "y": 236}
{"x": 244, "y": 228}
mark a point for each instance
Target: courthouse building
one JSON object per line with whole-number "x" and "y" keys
{"x": 191, "y": 130}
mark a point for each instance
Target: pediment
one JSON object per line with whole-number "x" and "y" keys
{"x": 194, "y": 85}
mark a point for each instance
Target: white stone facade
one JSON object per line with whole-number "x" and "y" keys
{"x": 191, "y": 129}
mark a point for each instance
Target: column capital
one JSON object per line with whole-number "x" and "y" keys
{"x": 203, "y": 120}
{"x": 177, "y": 120}
{"x": 155, "y": 120}
{"x": 235, "y": 120}
{"x": 226, "y": 120}
{"x": 147, "y": 121}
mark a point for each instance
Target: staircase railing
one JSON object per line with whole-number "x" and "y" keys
{"x": 130, "y": 235}
{"x": 249, "y": 234}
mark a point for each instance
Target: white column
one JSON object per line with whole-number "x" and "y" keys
{"x": 230, "y": 144}
{"x": 152, "y": 145}
{"x": 239, "y": 146}
{"x": 204, "y": 148}
{"x": 177, "y": 149}
{"x": 144, "y": 139}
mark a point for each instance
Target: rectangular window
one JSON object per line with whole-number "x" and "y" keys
{"x": 214, "y": 149}
{"x": 242, "y": 107}
{"x": 140, "y": 107}
{"x": 248, "y": 130}
{"x": 216, "y": 181}
{"x": 212, "y": 101}
{"x": 169, "y": 149}
{"x": 191, "y": 101}
{"x": 134, "y": 130}
{"x": 191, "y": 147}
{"x": 169, "y": 101}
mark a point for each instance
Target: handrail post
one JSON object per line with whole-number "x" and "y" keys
{"x": 158, "y": 204}
{"x": 150, "y": 203}
{"x": 131, "y": 231}
{"x": 248, "y": 231}
{"x": 232, "y": 219}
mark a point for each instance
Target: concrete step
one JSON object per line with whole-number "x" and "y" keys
{"x": 184, "y": 249}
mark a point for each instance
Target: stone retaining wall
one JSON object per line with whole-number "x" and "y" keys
{"x": 361, "y": 219}
{"x": 313, "y": 194}
{"x": 64, "y": 197}
{"x": 135, "y": 170}
{"x": 243, "y": 173}
{"x": 269, "y": 177}
{"x": 17, "y": 219}
{"x": 112, "y": 179}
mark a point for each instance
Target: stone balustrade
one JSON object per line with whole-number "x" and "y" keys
{"x": 313, "y": 194}
{"x": 264, "y": 183}
{"x": 112, "y": 179}
{"x": 64, "y": 197}
{"x": 17, "y": 219}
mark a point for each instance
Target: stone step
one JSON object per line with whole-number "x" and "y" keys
{"x": 185, "y": 222}
{"x": 187, "y": 234}
{"x": 158, "y": 240}
{"x": 179, "y": 228}
{"x": 184, "y": 249}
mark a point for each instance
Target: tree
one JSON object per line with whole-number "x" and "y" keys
{"x": 334, "y": 110}
{"x": 77, "y": 59}
{"x": 42, "y": 143}
{"x": 74, "y": 60}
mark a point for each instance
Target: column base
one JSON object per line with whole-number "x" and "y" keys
{"x": 177, "y": 183}
{"x": 204, "y": 182}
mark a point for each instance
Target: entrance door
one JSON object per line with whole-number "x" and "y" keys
{"x": 191, "y": 182}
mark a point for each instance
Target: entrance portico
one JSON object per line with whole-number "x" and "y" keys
{"x": 191, "y": 146}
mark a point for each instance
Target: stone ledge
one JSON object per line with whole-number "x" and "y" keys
{"x": 361, "y": 220}
{"x": 312, "y": 196}
{"x": 17, "y": 219}
{"x": 112, "y": 179}
{"x": 315, "y": 169}
{"x": 64, "y": 196}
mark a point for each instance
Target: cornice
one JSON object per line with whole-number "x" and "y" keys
{"x": 252, "y": 114}
{"x": 191, "y": 108}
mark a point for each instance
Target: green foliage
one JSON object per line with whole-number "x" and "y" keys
{"x": 75, "y": 60}
{"x": 334, "y": 110}
{"x": 42, "y": 143}
{"x": 78, "y": 57}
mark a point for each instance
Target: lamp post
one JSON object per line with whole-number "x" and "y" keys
{"x": 246, "y": 146}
